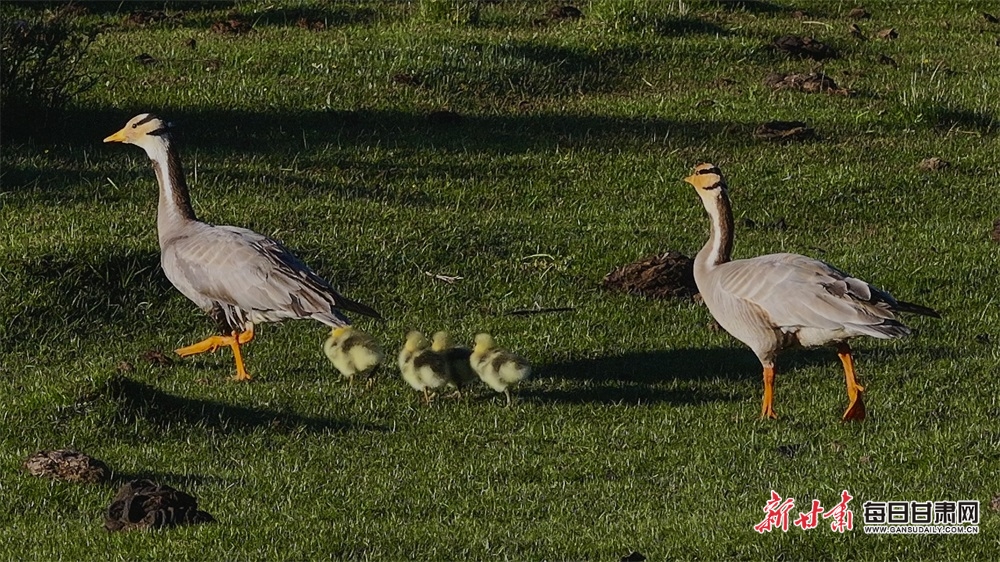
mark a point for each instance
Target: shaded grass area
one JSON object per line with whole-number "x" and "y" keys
{"x": 560, "y": 159}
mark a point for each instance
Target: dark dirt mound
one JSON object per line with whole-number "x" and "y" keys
{"x": 565, "y": 13}
{"x": 805, "y": 47}
{"x": 812, "y": 82}
{"x": 67, "y": 465}
{"x": 933, "y": 164}
{"x": 888, "y": 34}
{"x": 784, "y": 131}
{"x": 669, "y": 275}
{"x": 234, "y": 25}
{"x": 144, "y": 504}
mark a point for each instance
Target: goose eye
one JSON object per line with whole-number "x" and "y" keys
{"x": 135, "y": 125}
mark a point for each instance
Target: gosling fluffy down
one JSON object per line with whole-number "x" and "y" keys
{"x": 498, "y": 368}
{"x": 457, "y": 358}
{"x": 422, "y": 368}
{"x": 353, "y": 352}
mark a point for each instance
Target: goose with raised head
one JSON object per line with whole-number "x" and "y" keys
{"x": 778, "y": 301}
{"x": 238, "y": 277}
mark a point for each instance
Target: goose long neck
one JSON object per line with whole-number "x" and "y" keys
{"x": 719, "y": 248}
{"x": 175, "y": 203}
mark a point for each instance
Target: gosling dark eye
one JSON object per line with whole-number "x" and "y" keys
{"x": 135, "y": 125}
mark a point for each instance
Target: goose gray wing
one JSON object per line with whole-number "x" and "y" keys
{"x": 256, "y": 274}
{"x": 795, "y": 292}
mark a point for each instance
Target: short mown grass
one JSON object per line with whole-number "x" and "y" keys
{"x": 639, "y": 430}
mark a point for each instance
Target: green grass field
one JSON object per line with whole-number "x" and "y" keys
{"x": 639, "y": 430}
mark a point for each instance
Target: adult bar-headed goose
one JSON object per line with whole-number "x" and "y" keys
{"x": 240, "y": 278}
{"x": 781, "y": 300}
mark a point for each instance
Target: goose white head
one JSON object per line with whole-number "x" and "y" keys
{"x": 146, "y": 131}
{"x": 707, "y": 181}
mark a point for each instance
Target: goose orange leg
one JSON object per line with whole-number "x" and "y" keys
{"x": 856, "y": 409}
{"x": 767, "y": 406}
{"x": 234, "y": 341}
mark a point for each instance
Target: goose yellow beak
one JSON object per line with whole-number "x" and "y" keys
{"x": 689, "y": 179}
{"x": 117, "y": 137}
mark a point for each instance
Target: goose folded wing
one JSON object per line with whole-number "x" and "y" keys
{"x": 239, "y": 267}
{"x": 796, "y": 291}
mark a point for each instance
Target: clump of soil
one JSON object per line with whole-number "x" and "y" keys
{"x": 933, "y": 164}
{"x": 407, "y": 79}
{"x": 784, "y": 131}
{"x": 67, "y": 465}
{"x": 995, "y": 235}
{"x": 565, "y": 13}
{"x": 888, "y": 34}
{"x": 235, "y": 25}
{"x": 145, "y": 59}
{"x": 157, "y": 357}
{"x": 312, "y": 24}
{"x": 141, "y": 18}
{"x": 859, "y": 14}
{"x": 811, "y": 83}
{"x": 144, "y": 504}
{"x": 557, "y": 14}
{"x": 804, "y": 47}
{"x": 887, "y": 60}
{"x": 669, "y": 275}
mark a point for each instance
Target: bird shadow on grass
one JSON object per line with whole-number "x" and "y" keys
{"x": 27, "y": 186}
{"x": 81, "y": 291}
{"x": 642, "y": 377}
{"x": 285, "y": 131}
{"x": 136, "y": 401}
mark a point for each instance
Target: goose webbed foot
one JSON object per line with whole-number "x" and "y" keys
{"x": 234, "y": 341}
{"x": 856, "y": 409}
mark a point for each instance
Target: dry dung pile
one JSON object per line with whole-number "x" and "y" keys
{"x": 669, "y": 275}
{"x": 144, "y": 504}
{"x": 67, "y": 465}
{"x": 805, "y": 47}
